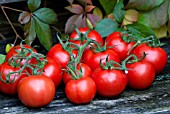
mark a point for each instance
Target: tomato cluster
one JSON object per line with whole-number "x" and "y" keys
{"x": 86, "y": 63}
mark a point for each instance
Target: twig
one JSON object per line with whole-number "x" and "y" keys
{"x": 5, "y": 7}
{"x": 17, "y": 35}
{"x": 2, "y": 36}
{"x": 14, "y": 24}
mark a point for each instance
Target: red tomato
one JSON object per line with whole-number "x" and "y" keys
{"x": 80, "y": 91}
{"x": 109, "y": 83}
{"x": 59, "y": 54}
{"x": 36, "y": 91}
{"x": 119, "y": 45}
{"x": 52, "y": 69}
{"x": 86, "y": 72}
{"x": 11, "y": 88}
{"x": 92, "y": 59}
{"x": 140, "y": 75}
{"x": 155, "y": 55}
{"x": 13, "y": 52}
{"x": 92, "y": 35}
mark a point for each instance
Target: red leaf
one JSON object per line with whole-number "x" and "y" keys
{"x": 89, "y": 8}
{"x": 87, "y": 1}
{"x": 93, "y": 19}
{"x": 75, "y": 8}
{"x": 77, "y": 20}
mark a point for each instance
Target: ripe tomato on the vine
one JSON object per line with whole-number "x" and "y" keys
{"x": 92, "y": 59}
{"x": 116, "y": 43}
{"x": 155, "y": 55}
{"x": 10, "y": 88}
{"x": 86, "y": 72}
{"x": 80, "y": 91}
{"x": 13, "y": 52}
{"x": 59, "y": 54}
{"x": 94, "y": 35}
{"x": 36, "y": 90}
{"x": 109, "y": 83}
{"x": 140, "y": 75}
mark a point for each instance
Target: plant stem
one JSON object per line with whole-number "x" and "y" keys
{"x": 2, "y": 37}
{"x": 17, "y": 35}
{"x": 5, "y": 7}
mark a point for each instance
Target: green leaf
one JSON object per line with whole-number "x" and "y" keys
{"x": 43, "y": 33}
{"x": 46, "y": 15}
{"x": 2, "y": 58}
{"x": 108, "y": 5}
{"x": 140, "y": 30}
{"x": 156, "y": 17}
{"x": 161, "y": 32}
{"x": 98, "y": 12}
{"x": 30, "y": 32}
{"x": 143, "y": 4}
{"x": 33, "y": 4}
{"x": 118, "y": 12}
{"x": 169, "y": 10}
{"x": 168, "y": 27}
{"x": 106, "y": 26}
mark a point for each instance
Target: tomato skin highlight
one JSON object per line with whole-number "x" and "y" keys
{"x": 36, "y": 91}
{"x": 140, "y": 75}
{"x": 109, "y": 83}
{"x": 80, "y": 91}
{"x": 10, "y": 89}
{"x": 155, "y": 55}
{"x": 86, "y": 72}
{"x": 59, "y": 54}
{"x": 118, "y": 44}
{"x": 92, "y": 59}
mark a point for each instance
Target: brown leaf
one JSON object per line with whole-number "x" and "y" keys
{"x": 89, "y": 8}
{"x": 24, "y": 17}
{"x": 75, "y": 8}
{"x": 93, "y": 19}
{"x": 78, "y": 20}
{"x": 161, "y": 32}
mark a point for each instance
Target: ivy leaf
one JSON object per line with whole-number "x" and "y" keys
{"x": 75, "y": 8}
{"x": 118, "y": 12}
{"x": 46, "y": 15}
{"x": 93, "y": 19}
{"x": 140, "y": 30}
{"x": 89, "y": 8}
{"x": 106, "y": 26}
{"x": 78, "y": 20}
{"x": 98, "y": 12}
{"x": 156, "y": 17}
{"x": 24, "y": 17}
{"x": 33, "y": 4}
{"x": 108, "y": 5}
{"x": 161, "y": 32}
{"x": 30, "y": 32}
{"x": 143, "y": 4}
{"x": 2, "y": 58}
{"x": 43, "y": 33}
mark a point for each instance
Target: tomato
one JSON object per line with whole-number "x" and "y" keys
{"x": 109, "y": 83}
{"x": 94, "y": 35}
{"x": 80, "y": 91}
{"x": 118, "y": 44}
{"x": 13, "y": 52}
{"x": 86, "y": 72}
{"x": 155, "y": 55}
{"x": 59, "y": 54}
{"x": 140, "y": 75}
{"x": 92, "y": 59}
{"x": 36, "y": 91}
{"x": 53, "y": 70}
{"x": 11, "y": 88}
